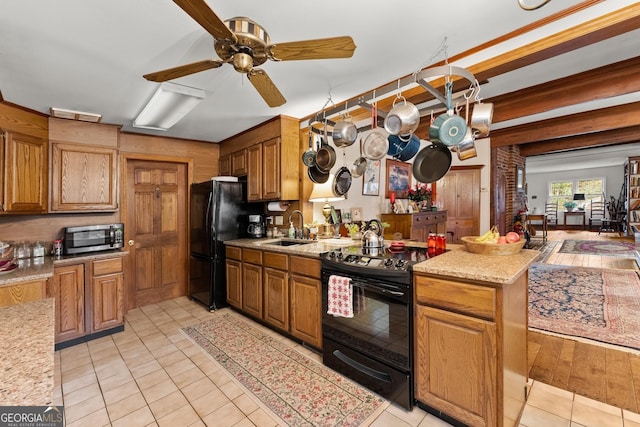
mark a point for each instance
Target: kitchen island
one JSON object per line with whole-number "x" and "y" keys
{"x": 470, "y": 337}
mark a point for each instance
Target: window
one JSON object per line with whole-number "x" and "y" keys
{"x": 563, "y": 191}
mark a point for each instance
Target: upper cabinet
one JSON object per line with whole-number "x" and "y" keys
{"x": 84, "y": 166}
{"x": 271, "y": 154}
{"x": 23, "y": 160}
{"x": 24, "y": 177}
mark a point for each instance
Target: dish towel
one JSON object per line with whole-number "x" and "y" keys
{"x": 340, "y": 296}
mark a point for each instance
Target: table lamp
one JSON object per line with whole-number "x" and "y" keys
{"x": 579, "y": 197}
{"x": 324, "y": 193}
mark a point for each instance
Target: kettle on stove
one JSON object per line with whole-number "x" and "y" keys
{"x": 372, "y": 236}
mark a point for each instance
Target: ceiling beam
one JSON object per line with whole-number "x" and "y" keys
{"x": 590, "y": 140}
{"x": 576, "y": 124}
{"x": 608, "y": 81}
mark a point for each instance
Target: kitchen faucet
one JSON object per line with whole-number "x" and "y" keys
{"x": 299, "y": 231}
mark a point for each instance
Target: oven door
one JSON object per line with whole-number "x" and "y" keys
{"x": 381, "y": 325}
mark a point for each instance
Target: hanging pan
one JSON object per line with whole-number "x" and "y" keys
{"x": 342, "y": 179}
{"x": 359, "y": 165}
{"x": 317, "y": 175}
{"x": 402, "y": 147}
{"x": 375, "y": 144}
{"x": 432, "y": 163}
{"x": 326, "y": 155}
{"x": 309, "y": 156}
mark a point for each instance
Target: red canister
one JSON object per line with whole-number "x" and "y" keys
{"x": 57, "y": 248}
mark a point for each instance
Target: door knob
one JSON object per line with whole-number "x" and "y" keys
{"x": 132, "y": 242}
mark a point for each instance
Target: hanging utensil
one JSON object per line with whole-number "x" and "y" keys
{"x": 375, "y": 144}
{"x": 432, "y": 163}
{"x": 316, "y": 174}
{"x": 326, "y": 155}
{"x": 344, "y": 132}
{"x": 481, "y": 117}
{"x": 448, "y": 128}
{"x": 309, "y": 156}
{"x": 359, "y": 165}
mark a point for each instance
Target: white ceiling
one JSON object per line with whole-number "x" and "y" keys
{"x": 91, "y": 55}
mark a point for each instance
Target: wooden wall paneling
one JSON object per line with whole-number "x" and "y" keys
{"x": 22, "y": 120}
{"x": 597, "y": 139}
{"x": 84, "y": 133}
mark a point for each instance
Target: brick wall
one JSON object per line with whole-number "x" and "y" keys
{"x": 505, "y": 160}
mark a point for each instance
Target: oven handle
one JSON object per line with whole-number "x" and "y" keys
{"x": 374, "y": 288}
{"x": 382, "y": 376}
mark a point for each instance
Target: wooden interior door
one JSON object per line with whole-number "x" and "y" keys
{"x": 460, "y": 192}
{"x": 156, "y": 226}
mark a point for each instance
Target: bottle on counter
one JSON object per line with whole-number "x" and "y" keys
{"x": 38, "y": 250}
{"x": 292, "y": 231}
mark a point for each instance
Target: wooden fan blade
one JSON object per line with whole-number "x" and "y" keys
{"x": 182, "y": 70}
{"x": 203, "y": 15}
{"x": 265, "y": 87}
{"x": 332, "y": 47}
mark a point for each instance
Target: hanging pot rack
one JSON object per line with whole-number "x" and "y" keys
{"x": 421, "y": 78}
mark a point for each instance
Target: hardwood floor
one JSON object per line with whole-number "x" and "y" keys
{"x": 608, "y": 374}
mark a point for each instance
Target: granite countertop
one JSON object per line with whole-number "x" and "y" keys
{"x": 42, "y": 268}
{"x": 459, "y": 263}
{"x": 27, "y": 349}
{"x": 305, "y": 247}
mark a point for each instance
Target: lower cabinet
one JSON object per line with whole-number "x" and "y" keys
{"x": 471, "y": 349}
{"x": 22, "y": 292}
{"x": 89, "y": 299}
{"x": 279, "y": 289}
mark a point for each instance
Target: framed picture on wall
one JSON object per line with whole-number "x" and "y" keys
{"x": 371, "y": 178}
{"x": 398, "y": 178}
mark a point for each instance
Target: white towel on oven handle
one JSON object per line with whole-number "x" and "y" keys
{"x": 340, "y": 296}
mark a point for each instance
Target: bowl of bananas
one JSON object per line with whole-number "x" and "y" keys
{"x": 492, "y": 243}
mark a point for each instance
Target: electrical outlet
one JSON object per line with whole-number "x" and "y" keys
{"x": 279, "y": 220}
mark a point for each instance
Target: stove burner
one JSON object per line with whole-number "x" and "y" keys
{"x": 398, "y": 259}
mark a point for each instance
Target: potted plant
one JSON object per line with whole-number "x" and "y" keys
{"x": 570, "y": 206}
{"x": 354, "y": 230}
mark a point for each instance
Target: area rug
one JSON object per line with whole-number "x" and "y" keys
{"x": 592, "y": 303}
{"x": 545, "y": 248}
{"x": 301, "y": 391}
{"x": 598, "y": 247}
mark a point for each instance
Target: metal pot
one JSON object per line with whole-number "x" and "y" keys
{"x": 432, "y": 163}
{"x": 372, "y": 236}
{"x": 316, "y": 175}
{"x": 326, "y": 155}
{"x": 402, "y": 119}
{"x": 375, "y": 145}
{"x": 467, "y": 148}
{"x": 359, "y": 165}
{"x": 401, "y": 148}
{"x": 342, "y": 181}
{"x": 481, "y": 118}
{"x": 448, "y": 128}
{"x": 344, "y": 134}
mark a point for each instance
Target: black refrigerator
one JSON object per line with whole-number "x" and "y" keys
{"x": 219, "y": 213}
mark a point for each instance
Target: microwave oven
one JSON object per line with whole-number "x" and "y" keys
{"x": 93, "y": 238}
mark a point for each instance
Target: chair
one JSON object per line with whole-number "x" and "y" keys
{"x": 551, "y": 210}
{"x": 596, "y": 214}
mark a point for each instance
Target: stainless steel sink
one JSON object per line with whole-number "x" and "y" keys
{"x": 289, "y": 242}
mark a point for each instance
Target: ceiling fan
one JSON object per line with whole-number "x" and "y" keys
{"x": 246, "y": 45}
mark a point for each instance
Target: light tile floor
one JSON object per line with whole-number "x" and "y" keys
{"x": 152, "y": 375}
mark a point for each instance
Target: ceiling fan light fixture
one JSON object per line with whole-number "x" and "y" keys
{"x": 168, "y": 105}
{"x": 242, "y": 62}
{"x": 82, "y": 116}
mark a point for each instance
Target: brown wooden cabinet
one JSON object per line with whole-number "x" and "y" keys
{"x": 272, "y": 159}
{"x": 471, "y": 349}
{"x": 306, "y": 300}
{"x": 224, "y": 165}
{"x": 83, "y": 178}
{"x": 234, "y": 276}
{"x": 23, "y": 178}
{"x": 239, "y": 163}
{"x": 67, "y": 288}
{"x": 84, "y": 166}
{"x": 108, "y": 294}
{"x": 460, "y": 192}
{"x": 280, "y": 289}
{"x": 415, "y": 226}
{"x": 89, "y": 298}
{"x": 18, "y": 293}
{"x": 252, "y": 282}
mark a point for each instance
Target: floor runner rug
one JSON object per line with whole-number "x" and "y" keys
{"x": 598, "y": 247}
{"x": 301, "y": 391}
{"x": 592, "y": 303}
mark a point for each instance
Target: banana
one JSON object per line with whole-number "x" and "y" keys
{"x": 490, "y": 236}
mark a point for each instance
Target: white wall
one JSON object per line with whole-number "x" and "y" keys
{"x": 538, "y": 184}
{"x": 373, "y": 206}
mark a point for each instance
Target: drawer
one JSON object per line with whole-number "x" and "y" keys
{"x": 107, "y": 266}
{"x": 305, "y": 266}
{"x": 233, "y": 252}
{"x": 252, "y": 256}
{"x": 276, "y": 260}
{"x": 465, "y": 298}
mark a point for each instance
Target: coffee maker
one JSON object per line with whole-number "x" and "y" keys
{"x": 256, "y": 227}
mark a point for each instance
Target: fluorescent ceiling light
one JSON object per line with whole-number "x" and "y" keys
{"x": 167, "y": 106}
{"x": 61, "y": 113}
